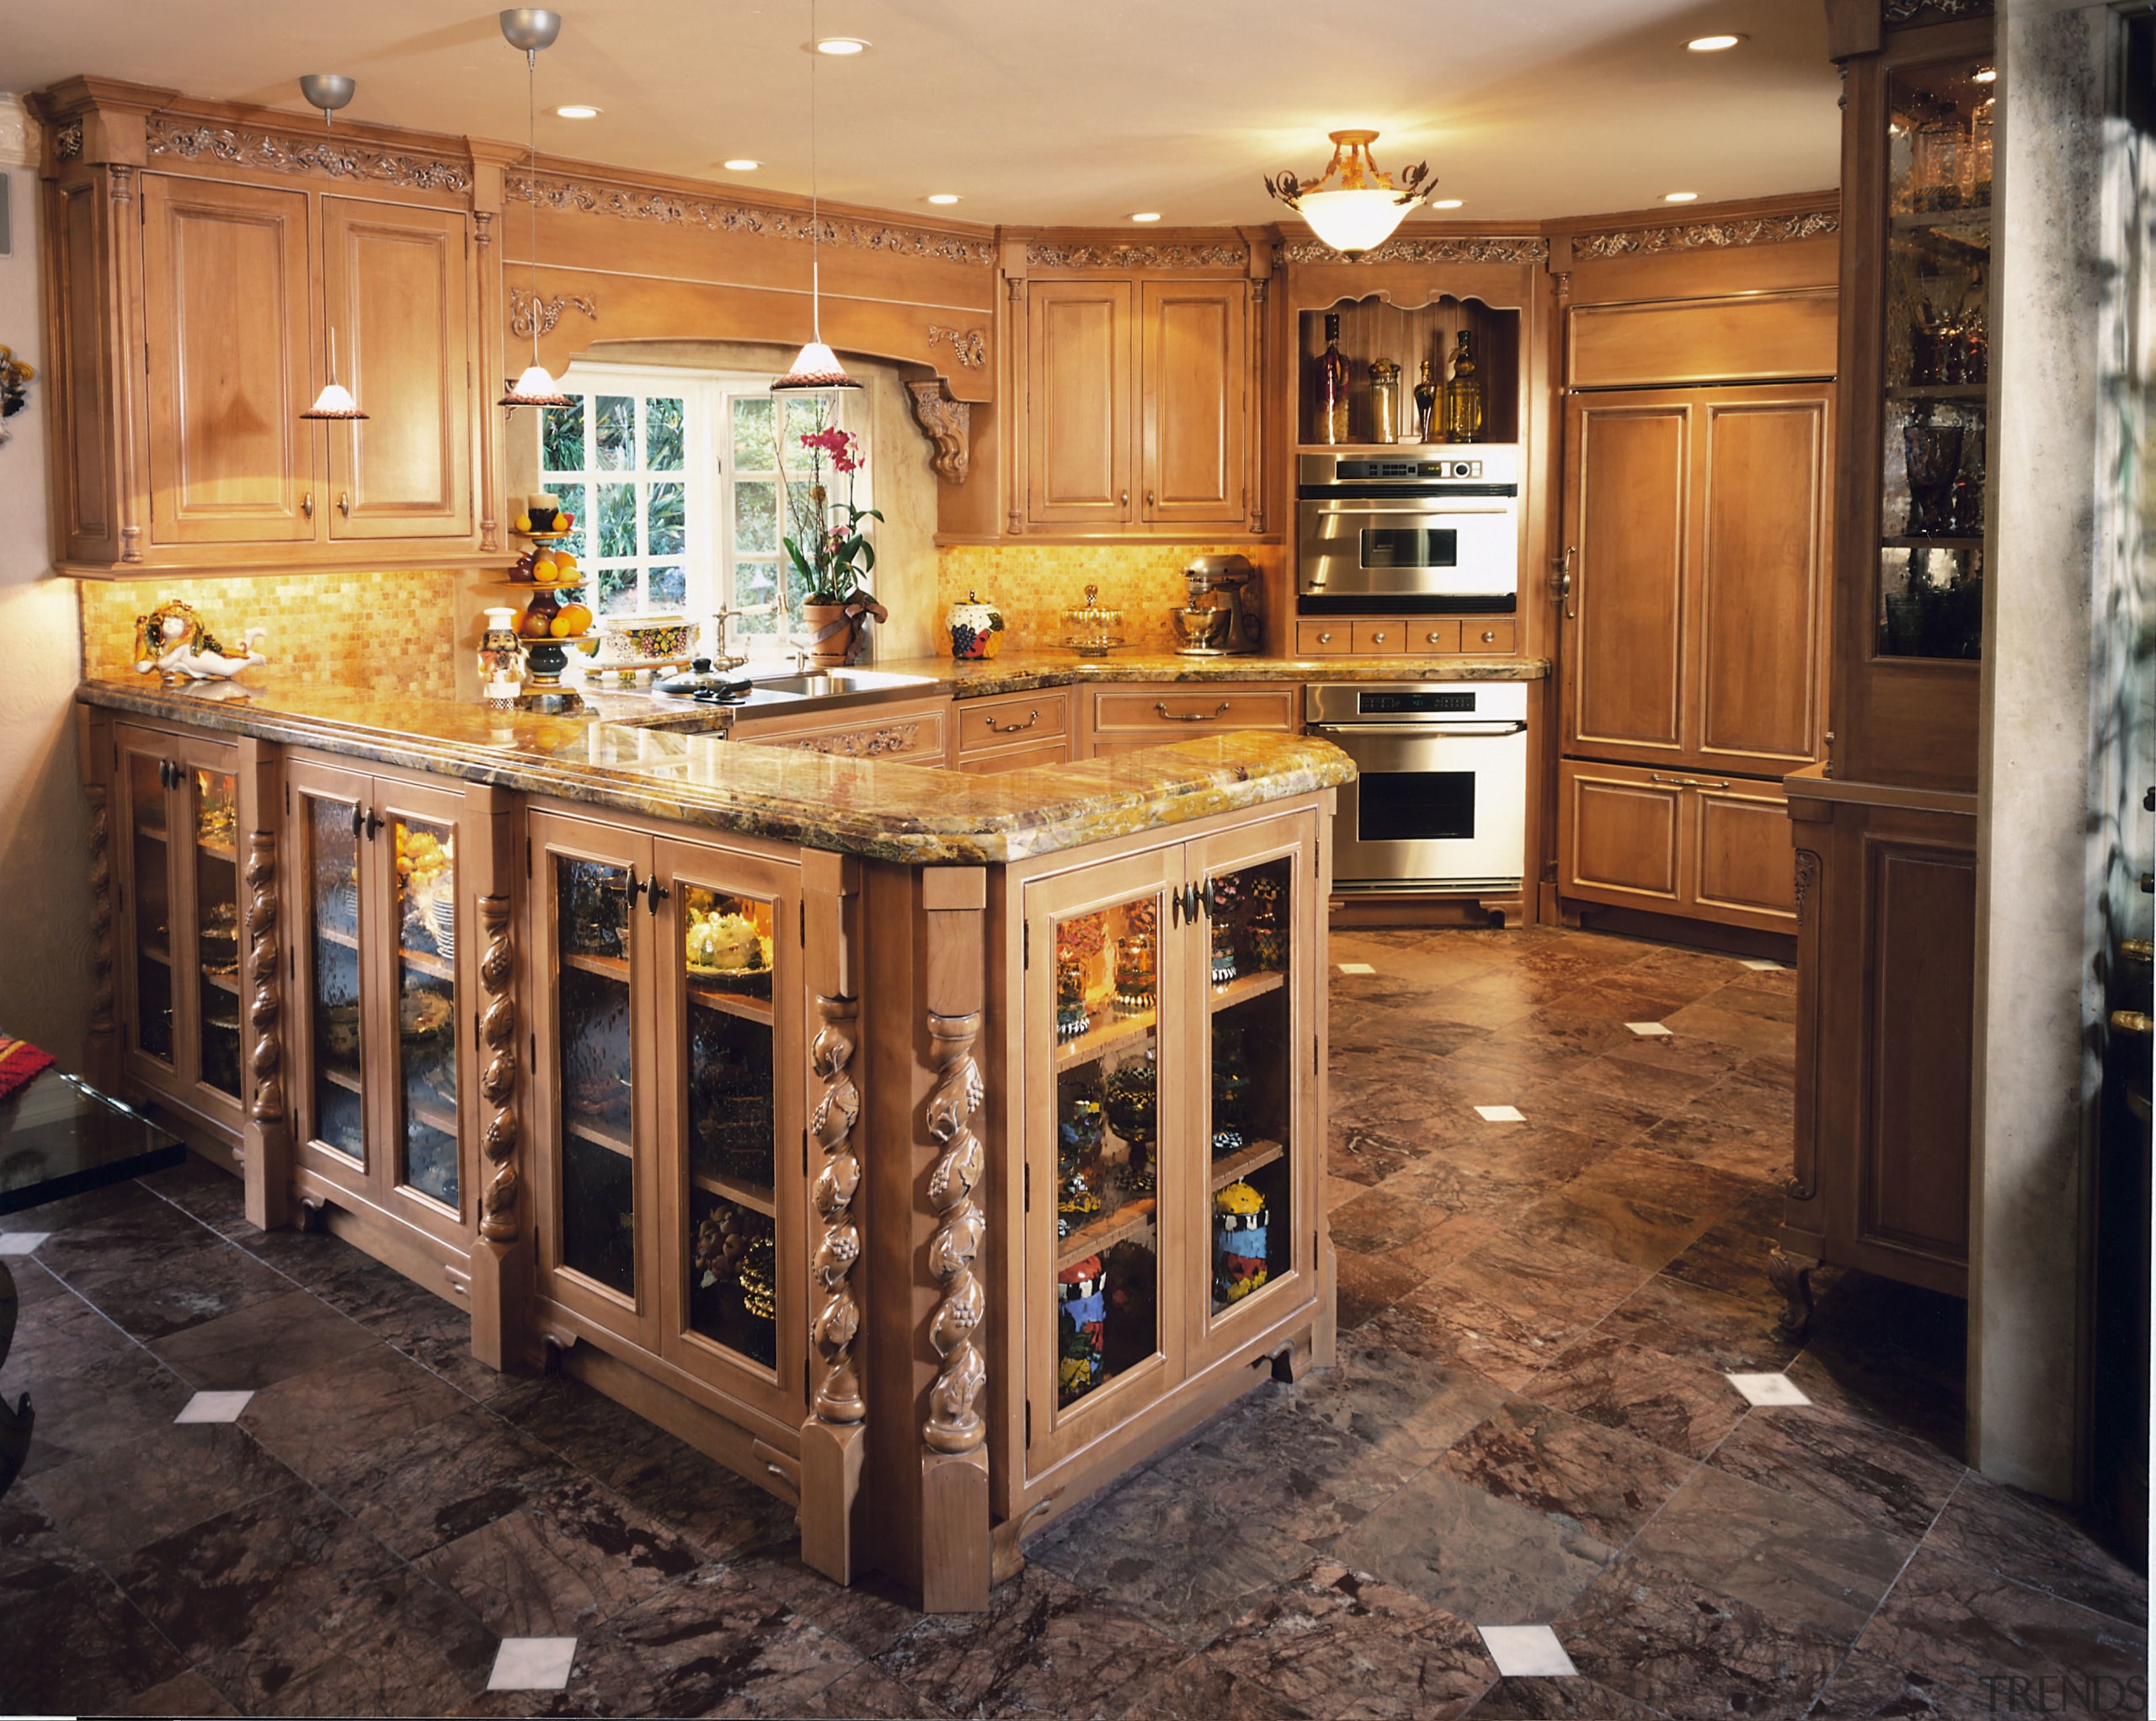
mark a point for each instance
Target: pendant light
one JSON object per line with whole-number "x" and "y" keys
{"x": 815, "y": 367}
{"x": 530, "y": 29}
{"x": 1360, "y": 213}
{"x": 335, "y": 401}
{"x": 330, "y": 91}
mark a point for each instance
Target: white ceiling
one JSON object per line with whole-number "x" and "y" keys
{"x": 1053, "y": 111}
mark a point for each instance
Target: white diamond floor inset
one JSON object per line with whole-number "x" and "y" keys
{"x": 1649, "y": 1031}
{"x": 1526, "y": 1652}
{"x": 532, "y": 1664}
{"x": 1768, "y": 1389}
{"x": 213, "y": 1407}
{"x": 1501, "y": 1114}
{"x": 1357, "y": 969}
{"x": 21, "y": 1241}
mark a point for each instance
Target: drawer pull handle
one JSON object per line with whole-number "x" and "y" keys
{"x": 996, "y": 728}
{"x": 1685, "y": 782}
{"x": 1160, "y": 705}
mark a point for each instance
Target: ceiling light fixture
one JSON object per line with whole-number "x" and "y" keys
{"x": 815, "y": 367}
{"x": 1149, "y": 215}
{"x": 1680, "y": 197}
{"x": 328, "y": 91}
{"x": 335, "y": 401}
{"x": 838, "y": 46}
{"x": 1449, "y": 203}
{"x": 576, "y": 110}
{"x": 530, "y": 29}
{"x": 741, "y": 164}
{"x": 1360, "y": 213}
{"x": 942, "y": 197}
{"x": 1712, "y": 44}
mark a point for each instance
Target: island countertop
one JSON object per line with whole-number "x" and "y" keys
{"x": 916, "y": 814}
{"x": 1027, "y": 669}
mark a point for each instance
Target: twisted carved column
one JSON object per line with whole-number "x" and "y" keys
{"x": 953, "y": 1424}
{"x": 100, "y": 908}
{"x": 498, "y": 1079}
{"x": 838, "y": 1398}
{"x": 265, "y": 1002}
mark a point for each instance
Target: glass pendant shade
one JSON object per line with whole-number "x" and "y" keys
{"x": 536, "y": 387}
{"x": 334, "y": 401}
{"x": 815, "y": 367}
{"x": 1360, "y": 211}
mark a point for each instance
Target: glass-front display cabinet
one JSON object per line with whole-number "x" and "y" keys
{"x": 380, "y": 1005}
{"x": 669, "y": 1090}
{"x": 1170, "y": 1130}
{"x": 176, "y": 846}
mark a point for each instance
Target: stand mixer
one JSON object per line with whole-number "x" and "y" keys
{"x": 1220, "y": 618}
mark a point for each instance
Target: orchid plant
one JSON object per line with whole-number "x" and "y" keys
{"x": 833, "y": 560}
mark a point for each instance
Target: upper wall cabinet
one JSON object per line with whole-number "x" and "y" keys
{"x": 1137, "y": 390}
{"x": 194, "y": 291}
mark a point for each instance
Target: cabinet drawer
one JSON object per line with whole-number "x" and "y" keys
{"x": 1164, "y": 713}
{"x": 1005, "y": 722}
{"x": 1499, "y": 635}
{"x": 1324, "y": 639}
{"x": 912, "y": 732}
{"x": 1620, "y": 836}
{"x": 1016, "y": 758}
{"x": 1678, "y": 842}
{"x": 1387, "y": 637}
{"x": 1432, "y": 636}
{"x": 1745, "y": 860}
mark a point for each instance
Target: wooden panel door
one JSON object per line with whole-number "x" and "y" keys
{"x": 398, "y": 296}
{"x": 151, "y": 1001}
{"x": 228, "y": 301}
{"x": 1627, "y": 509}
{"x": 1621, "y": 837}
{"x": 332, "y": 921}
{"x": 1078, "y": 376}
{"x": 1192, "y": 395}
{"x": 1764, "y": 460}
{"x": 1741, "y": 870}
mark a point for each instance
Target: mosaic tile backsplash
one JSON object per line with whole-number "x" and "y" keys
{"x": 1033, "y": 584}
{"x": 322, "y": 627}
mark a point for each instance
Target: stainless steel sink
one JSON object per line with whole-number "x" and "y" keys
{"x": 836, "y": 684}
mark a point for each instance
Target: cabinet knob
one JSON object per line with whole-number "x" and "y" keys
{"x": 1125, "y": 499}
{"x": 1380, "y": 638}
{"x": 307, "y": 504}
{"x": 1433, "y": 638}
{"x": 1325, "y": 638}
{"x": 1489, "y": 637}
{"x": 1148, "y": 499}
{"x": 343, "y": 504}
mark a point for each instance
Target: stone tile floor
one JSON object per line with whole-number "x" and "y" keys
{"x": 1530, "y": 1424}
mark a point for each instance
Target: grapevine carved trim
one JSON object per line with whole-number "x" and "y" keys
{"x": 286, "y": 153}
{"x": 1421, "y": 248}
{"x": 1707, "y": 236}
{"x": 1168, "y": 256}
{"x": 721, "y": 217}
{"x": 498, "y": 1142}
{"x": 838, "y": 1320}
{"x": 1807, "y": 874}
{"x": 265, "y": 1000}
{"x": 862, "y": 743}
{"x": 969, "y": 347}
{"x": 100, "y": 906}
{"x": 954, "y": 1425}
{"x": 1898, "y": 12}
{"x": 948, "y": 423}
{"x": 68, "y": 142}
{"x": 529, "y": 314}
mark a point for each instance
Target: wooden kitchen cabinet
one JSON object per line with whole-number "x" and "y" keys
{"x": 908, "y": 728}
{"x": 668, "y": 1084}
{"x": 176, "y": 850}
{"x": 1122, "y": 719}
{"x": 1675, "y": 842}
{"x": 1018, "y": 733}
{"x": 1138, "y": 392}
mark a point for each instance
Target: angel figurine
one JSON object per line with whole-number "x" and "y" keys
{"x": 171, "y": 641}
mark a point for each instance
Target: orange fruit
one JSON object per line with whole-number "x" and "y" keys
{"x": 544, "y": 571}
{"x": 574, "y": 619}
{"x": 564, "y": 563}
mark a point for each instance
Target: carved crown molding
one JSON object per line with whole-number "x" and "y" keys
{"x": 529, "y": 314}
{"x": 1704, "y": 236}
{"x": 1898, "y": 12}
{"x": 721, "y": 217}
{"x": 292, "y": 154}
{"x": 1418, "y": 248}
{"x": 969, "y": 347}
{"x": 1163, "y": 256}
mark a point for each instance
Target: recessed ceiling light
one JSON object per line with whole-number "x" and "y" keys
{"x": 840, "y": 45}
{"x": 1150, "y": 215}
{"x": 942, "y": 197}
{"x": 577, "y": 111}
{"x": 1447, "y": 203}
{"x": 1985, "y": 74}
{"x": 1680, "y": 197}
{"x": 1712, "y": 44}
{"x": 740, "y": 164}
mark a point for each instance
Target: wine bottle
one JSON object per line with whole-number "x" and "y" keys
{"x": 1332, "y": 386}
{"x": 1464, "y": 394}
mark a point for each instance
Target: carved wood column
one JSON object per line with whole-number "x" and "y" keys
{"x": 833, "y": 1437}
{"x": 954, "y": 1503}
{"x": 265, "y": 1146}
{"x": 500, "y": 1287}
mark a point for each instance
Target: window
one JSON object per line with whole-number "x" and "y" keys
{"x": 683, "y": 484}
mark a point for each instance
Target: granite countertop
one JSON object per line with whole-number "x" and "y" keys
{"x": 1026, "y": 668}
{"x": 887, "y": 810}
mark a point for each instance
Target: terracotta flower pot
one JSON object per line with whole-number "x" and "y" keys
{"x": 838, "y": 631}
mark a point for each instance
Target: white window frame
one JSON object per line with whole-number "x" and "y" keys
{"x": 709, "y": 483}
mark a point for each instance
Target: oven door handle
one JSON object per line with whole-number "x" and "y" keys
{"x": 1418, "y": 732}
{"x": 1434, "y": 507}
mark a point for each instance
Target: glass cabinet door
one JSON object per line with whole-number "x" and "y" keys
{"x": 149, "y": 873}
{"x": 728, "y": 1092}
{"x": 424, "y": 910}
{"x": 213, "y": 800}
{"x": 1251, "y": 1094}
{"x": 594, "y": 1075}
{"x": 329, "y": 832}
